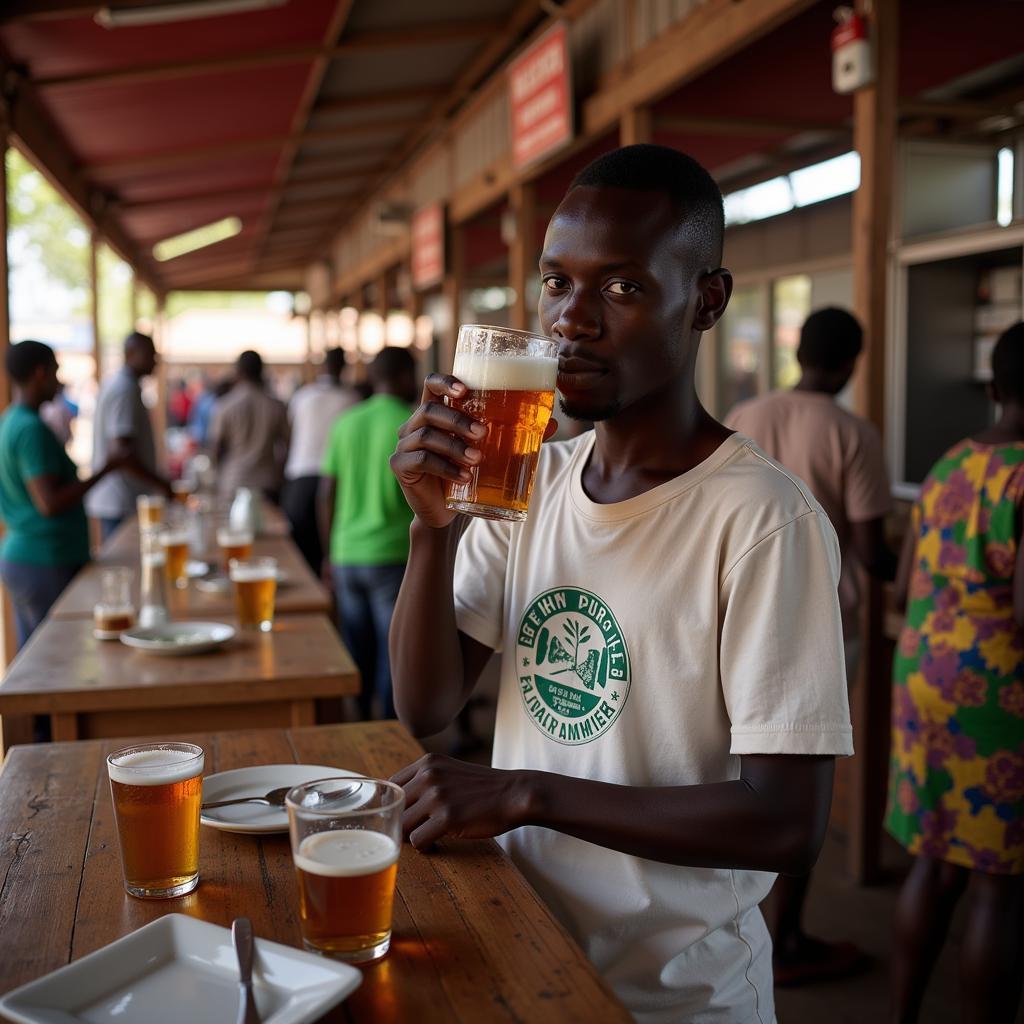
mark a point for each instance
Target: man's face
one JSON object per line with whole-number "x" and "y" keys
{"x": 142, "y": 359}
{"x": 619, "y": 288}
{"x": 50, "y": 382}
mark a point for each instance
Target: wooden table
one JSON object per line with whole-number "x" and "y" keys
{"x": 301, "y": 593}
{"x": 472, "y": 942}
{"x": 93, "y": 688}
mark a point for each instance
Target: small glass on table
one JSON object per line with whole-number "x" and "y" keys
{"x": 346, "y": 834}
{"x": 150, "y": 508}
{"x": 174, "y": 541}
{"x": 115, "y": 610}
{"x": 234, "y": 544}
{"x": 157, "y": 789}
{"x": 255, "y": 581}
{"x": 183, "y": 490}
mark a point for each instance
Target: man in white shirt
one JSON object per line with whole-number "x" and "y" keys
{"x": 311, "y": 413}
{"x": 656, "y": 767}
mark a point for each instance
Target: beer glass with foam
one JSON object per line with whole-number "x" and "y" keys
{"x": 510, "y": 381}
{"x": 115, "y": 610}
{"x": 255, "y": 581}
{"x": 234, "y": 544}
{"x": 346, "y": 834}
{"x": 150, "y": 508}
{"x": 157, "y": 789}
{"x": 174, "y": 540}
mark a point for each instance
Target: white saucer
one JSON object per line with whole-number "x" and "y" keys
{"x": 259, "y": 819}
{"x": 177, "y": 638}
{"x": 177, "y": 969}
{"x": 195, "y": 569}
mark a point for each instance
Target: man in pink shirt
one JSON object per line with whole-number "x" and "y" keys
{"x": 839, "y": 456}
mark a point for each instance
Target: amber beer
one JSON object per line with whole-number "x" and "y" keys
{"x": 235, "y": 544}
{"x": 255, "y": 583}
{"x": 175, "y": 547}
{"x": 346, "y": 889}
{"x": 346, "y": 834}
{"x": 510, "y": 377}
{"x": 110, "y": 622}
{"x": 157, "y": 790}
{"x": 183, "y": 490}
{"x": 150, "y": 508}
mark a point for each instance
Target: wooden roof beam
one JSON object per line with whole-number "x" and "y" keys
{"x": 743, "y": 126}
{"x": 429, "y": 34}
{"x": 343, "y": 104}
{"x": 190, "y": 154}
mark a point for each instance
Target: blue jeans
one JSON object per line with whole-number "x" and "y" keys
{"x": 366, "y": 596}
{"x": 107, "y": 527}
{"x": 33, "y": 590}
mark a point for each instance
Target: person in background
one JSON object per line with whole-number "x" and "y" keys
{"x": 59, "y": 414}
{"x": 956, "y": 783}
{"x": 839, "y": 456}
{"x": 122, "y": 428}
{"x": 47, "y": 538}
{"x": 179, "y": 405}
{"x": 311, "y": 412}
{"x": 202, "y": 408}
{"x": 672, "y": 690}
{"x": 249, "y": 433}
{"x": 365, "y": 519}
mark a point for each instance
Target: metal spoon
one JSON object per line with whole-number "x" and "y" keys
{"x": 275, "y": 798}
{"x": 241, "y": 934}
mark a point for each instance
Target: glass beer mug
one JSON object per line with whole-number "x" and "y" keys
{"x": 510, "y": 387}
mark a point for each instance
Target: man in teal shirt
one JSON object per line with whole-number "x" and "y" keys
{"x": 47, "y": 539}
{"x": 364, "y": 521}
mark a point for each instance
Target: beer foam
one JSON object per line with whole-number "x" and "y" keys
{"x": 155, "y": 767}
{"x": 346, "y": 853}
{"x": 169, "y": 538}
{"x": 227, "y": 538}
{"x": 505, "y": 373}
{"x": 252, "y": 573}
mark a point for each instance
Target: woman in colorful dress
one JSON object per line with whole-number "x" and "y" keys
{"x": 956, "y": 793}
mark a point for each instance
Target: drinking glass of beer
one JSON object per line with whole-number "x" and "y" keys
{"x": 235, "y": 544}
{"x": 346, "y": 834}
{"x": 150, "y": 508}
{"x": 157, "y": 789}
{"x": 174, "y": 542}
{"x": 255, "y": 581}
{"x": 115, "y": 610}
{"x": 510, "y": 381}
{"x": 183, "y": 490}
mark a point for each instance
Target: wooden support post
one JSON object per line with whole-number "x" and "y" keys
{"x": 874, "y": 133}
{"x": 134, "y": 299}
{"x": 94, "y": 305}
{"x": 309, "y": 371}
{"x": 452, "y": 288}
{"x": 635, "y": 126}
{"x": 522, "y": 254}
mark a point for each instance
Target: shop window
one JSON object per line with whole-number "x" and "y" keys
{"x": 742, "y": 350}
{"x": 791, "y": 304}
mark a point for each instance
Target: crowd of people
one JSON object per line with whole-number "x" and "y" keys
{"x": 722, "y": 563}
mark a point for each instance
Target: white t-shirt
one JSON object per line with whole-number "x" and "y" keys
{"x": 650, "y": 643}
{"x": 311, "y": 413}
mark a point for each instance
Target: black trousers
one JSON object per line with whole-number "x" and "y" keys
{"x": 298, "y": 501}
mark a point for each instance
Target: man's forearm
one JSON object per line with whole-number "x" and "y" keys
{"x": 427, "y": 669}
{"x": 737, "y": 824}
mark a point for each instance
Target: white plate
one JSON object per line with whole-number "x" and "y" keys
{"x": 194, "y": 569}
{"x": 215, "y": 583}
{"x": 177, "y": 969}
{"x": 177, "y": 638}
{"x": 258, "y": 819}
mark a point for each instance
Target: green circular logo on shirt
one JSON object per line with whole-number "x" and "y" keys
{"x": 573, "y": 665}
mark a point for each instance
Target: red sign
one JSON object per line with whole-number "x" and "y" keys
{"x": 427, "y": 247}
{"x": 540, "y": 98}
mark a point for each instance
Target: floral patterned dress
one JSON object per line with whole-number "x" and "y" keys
{"x": 956, "y": 783}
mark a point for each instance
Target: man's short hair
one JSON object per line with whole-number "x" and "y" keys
{"x": 1008, "y": 364}
{"x": 136, "y": 339}
{"x": 390, "y": 365}
{"x": 24, "y": 358}
{"x": 649, "y": 168}
{"x": 830, "y": 339}
{"x": 334, "y": 361}
{"x": 250, "y": 365}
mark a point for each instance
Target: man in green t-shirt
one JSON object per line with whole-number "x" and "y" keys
{"x": 364, "y": 521}
{"x": 47, "y": 539}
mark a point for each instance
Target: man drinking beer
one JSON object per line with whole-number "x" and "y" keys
{"x": 672, "y": 690}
